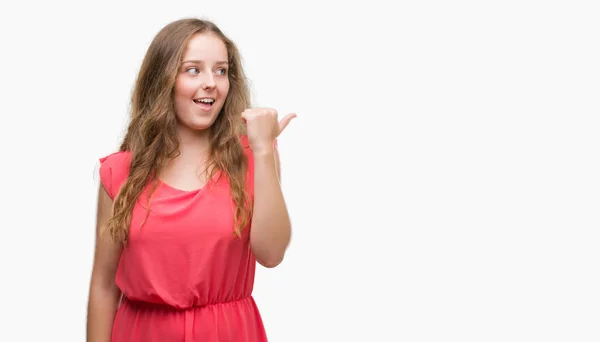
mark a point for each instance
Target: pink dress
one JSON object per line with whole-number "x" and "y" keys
{"x": 184, "y": 275}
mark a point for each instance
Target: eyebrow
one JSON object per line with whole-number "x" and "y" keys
{"x": 200, "y": 62}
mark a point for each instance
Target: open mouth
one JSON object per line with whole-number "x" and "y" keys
{"x": 205, "y": 102}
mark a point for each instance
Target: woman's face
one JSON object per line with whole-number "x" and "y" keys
{"x": 202, "y": 82}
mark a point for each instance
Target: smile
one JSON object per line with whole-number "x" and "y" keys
{"x": 205, "y": 100}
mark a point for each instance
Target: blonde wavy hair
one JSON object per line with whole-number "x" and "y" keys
{"x": 151, "y": 136}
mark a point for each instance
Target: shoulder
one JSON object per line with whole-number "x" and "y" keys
{"x": 114, "y": 170}
{"x": 116, "y": 158}
{"x": 246, "y": 146}
{"x": 245, "y": 142}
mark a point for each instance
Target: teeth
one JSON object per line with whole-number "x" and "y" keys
{"x": 205, "y": 100}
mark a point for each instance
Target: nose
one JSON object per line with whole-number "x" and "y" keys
{"x": 208, "y": 81}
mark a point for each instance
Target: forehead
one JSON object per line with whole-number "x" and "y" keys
{"x": 206, "y": 47}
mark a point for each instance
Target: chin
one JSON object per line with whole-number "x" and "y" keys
{"x": 200, "y": 126}
{"x": 198, "y": 121}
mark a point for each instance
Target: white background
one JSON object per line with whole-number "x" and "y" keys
{"x": 442, "y": 174}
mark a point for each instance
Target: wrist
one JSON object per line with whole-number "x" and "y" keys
{"x": 263, "y": 153}
{"x": 263, "y": 148}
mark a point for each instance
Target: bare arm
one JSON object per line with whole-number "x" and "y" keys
{"x": 271, "y": 228}
{"x": 104, "y": 295}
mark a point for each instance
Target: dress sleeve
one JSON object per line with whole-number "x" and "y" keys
{"x": 114, "y": 170}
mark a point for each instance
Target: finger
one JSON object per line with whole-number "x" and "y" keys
{"x": 245, "y": 115}
{"x": 286, "y": 121}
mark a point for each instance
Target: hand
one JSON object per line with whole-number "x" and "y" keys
{"x": 263, "y": 127}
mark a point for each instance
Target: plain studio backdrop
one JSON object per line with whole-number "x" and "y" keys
{"x": 442, "y": 174}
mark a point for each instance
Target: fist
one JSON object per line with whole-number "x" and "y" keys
{"x": 263, "y": 127}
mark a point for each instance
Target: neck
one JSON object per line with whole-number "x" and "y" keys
{"x": 192, "y": 142}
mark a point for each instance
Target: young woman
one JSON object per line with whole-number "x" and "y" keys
{"x": 190, "y": 202}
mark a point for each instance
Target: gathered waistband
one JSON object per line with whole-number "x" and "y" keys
{"x": 164, "y": 306}
{"x": 188, "y": 312}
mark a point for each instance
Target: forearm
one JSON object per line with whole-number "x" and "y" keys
{"x": 102, "y": 308}
{"x": 271, "y": 228}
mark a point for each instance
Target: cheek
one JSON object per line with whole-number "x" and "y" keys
{"x": 224, "y": 88}
{"x": 184, "y": 88}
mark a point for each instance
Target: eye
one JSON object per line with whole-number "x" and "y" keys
{"x": 222, "y": 71}
{"x": 193, "y": 71}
